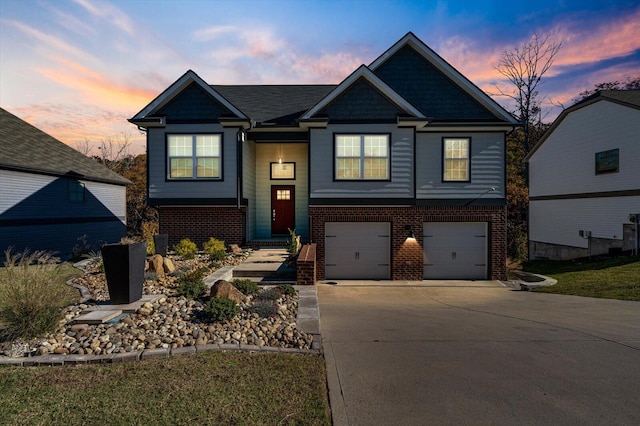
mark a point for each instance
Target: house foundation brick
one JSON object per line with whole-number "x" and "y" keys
{"x": 201, "y": 223}
{"x": 306, "y": 265}
{"x": 406, "y": 254}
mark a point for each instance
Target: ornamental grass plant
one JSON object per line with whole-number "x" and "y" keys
{"x": 32, "y": 294}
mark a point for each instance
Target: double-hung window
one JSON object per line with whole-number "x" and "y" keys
{"x": 194, "y": 156}
{"x": 456, "y": 159}
{"x": 362, "y": 157}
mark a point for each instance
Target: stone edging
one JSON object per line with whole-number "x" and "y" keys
{"x": 541, "y": 281}
{"x": 74, "y": 359}
{"x": 58, "y": 360}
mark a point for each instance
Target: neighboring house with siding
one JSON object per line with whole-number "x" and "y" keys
{"x": 585, "y": 179}
{"x": 51, "y": 195}
{"x": 406, "y": 146}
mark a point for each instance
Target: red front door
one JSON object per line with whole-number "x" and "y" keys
{"x": 283, "y": 209}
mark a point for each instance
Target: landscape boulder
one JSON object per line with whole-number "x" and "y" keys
{"x": 224, "y": 288}
{"x": 156, "y": 264}
{"x": 235, "y": 248}
{"x": 168, "y": 266}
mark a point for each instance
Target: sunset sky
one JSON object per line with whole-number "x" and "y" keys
{"x": 78, "y": 69}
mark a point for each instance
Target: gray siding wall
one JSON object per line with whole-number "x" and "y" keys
{"x": 36, "y": 214}
{"x": 565, "y": 163}
{"x": 487, "y": 167}
{"x": 322, "y": 164}
{"x": 249, "y": 185}
{"x": 160, "y": 187}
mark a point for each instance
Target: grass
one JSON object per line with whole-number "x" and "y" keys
{"x": 609, "y": 278}
{"x": 234, "y": 388}
{"x": 26, "y": 288}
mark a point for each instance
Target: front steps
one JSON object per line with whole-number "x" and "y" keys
{"x": 267, "y": 266}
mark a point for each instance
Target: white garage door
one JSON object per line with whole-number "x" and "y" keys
{"x": 455, "y": 250}
{"x": 357, "y": 250}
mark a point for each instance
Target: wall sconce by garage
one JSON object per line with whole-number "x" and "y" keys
{"x": 411, "y": 235}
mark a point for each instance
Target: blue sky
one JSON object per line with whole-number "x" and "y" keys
{"x": 79, "y": 68}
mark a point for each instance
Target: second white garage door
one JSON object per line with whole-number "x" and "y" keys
{"x": 455, "y": 250}
{"x": 357, "y": 250}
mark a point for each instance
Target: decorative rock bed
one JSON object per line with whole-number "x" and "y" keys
{"x": 169, "y": 323}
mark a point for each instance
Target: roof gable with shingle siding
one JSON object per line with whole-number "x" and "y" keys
{"x": 193, "y": 103}
{"x": 362, "y": 101}
{"x": 29, "y": 149}
{"x": 428, "y": 89}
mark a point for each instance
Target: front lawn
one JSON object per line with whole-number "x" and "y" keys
{"x": 238, "y": 388}
{"x": 609, "y": 278}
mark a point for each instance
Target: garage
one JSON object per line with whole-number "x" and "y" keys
{"x": 455, "y": 250}
{"x": 357, "y": 250}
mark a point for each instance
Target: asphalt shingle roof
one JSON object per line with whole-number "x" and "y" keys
{"x": 27, "y": 148}
{"x": 277, "y": 104}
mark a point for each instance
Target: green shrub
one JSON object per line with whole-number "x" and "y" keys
{"x": 271, "y": 294}
{"x": 215, "y": 249}
{"x": 246, "y": 287}
{"x": 286, "y": 289}
{"x": 215, "y": 265}
{"x": 191, "y": 283}
{"x": 191, "y": 289}
{"x": 32, "y": 294}
{"x": 219, "y": 309}
{"x": 294, "y": 243}
{"x": 186, "y": 248}
{"x": 264, "y": 308}
{"x": 152, "y": 276}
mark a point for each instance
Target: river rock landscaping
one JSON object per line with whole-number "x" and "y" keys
{"x": 169, "y": 321}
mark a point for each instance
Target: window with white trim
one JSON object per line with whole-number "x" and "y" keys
{"x": 362, "y": 157}
{"x": 194, "y": 156}
{"x": 456, "y": 159}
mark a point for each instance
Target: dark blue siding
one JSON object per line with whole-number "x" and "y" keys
{"x": 362, "y": 101}
{"x": 193, "y": 103}
{"x": 433, "y": 93}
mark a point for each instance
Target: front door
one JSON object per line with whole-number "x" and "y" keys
{"x": 283, "y": 209}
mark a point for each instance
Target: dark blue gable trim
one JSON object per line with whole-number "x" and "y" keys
{"x": 428, "y": 89}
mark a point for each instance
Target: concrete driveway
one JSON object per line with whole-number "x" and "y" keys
{"x": 429, "y": 353}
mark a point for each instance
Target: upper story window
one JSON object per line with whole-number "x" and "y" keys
{"x": 194, "y": 156}
{"x": 456, "y": 159}
{"x": 362, "y": 157}
{"x": 76, "y": 191}
{"x": 607, "y": 161}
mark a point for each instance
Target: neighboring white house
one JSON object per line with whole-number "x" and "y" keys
{"x": 51, "y": 195}
{"x": 585, "y": 179}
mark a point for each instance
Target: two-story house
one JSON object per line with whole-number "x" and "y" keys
{"x": 398, "y": 172}
{"x": 584, "y": 185}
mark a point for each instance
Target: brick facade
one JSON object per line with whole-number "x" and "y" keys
{"x": 201, "y": 223}
{"x": 407, "y": 255}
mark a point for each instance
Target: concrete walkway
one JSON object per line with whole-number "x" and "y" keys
{"x": 477, "y": 353}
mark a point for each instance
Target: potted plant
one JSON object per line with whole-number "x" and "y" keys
{"x": 161, "y": 242}
{"x": 124, "y": 268}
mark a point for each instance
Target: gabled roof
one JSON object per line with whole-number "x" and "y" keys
{"x": 172, "y": 91}
{"x": 628, "y": 98}
{"x": 29, "y": 149}
{"x": 274, "y": 104}
{"x": 381, "y": 86}
{"x": 443, "y": 66}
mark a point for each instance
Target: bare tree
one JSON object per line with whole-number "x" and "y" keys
{"x": 524, "y": 66}
{"x": 113, "y": 152}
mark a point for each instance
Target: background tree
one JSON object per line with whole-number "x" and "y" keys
{"x": 113, "y": 152}
{"x": 524, "y": 68}
{"x": 629, "y": 84}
